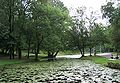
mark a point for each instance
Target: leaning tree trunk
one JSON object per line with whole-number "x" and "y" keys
{"x": 56, "y": 54}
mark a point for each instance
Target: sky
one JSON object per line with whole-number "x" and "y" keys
{"x": 93, "y": 5}
{"x": 96, "y": 4}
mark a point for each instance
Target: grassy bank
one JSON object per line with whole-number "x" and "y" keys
{"x": 100, "y": 60}
{"x": 7, "y": 61}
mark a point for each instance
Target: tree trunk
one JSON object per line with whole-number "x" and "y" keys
{"x": 117, "y": 57}
{"x": 10, "y": 54}
{"x": 56, "y": 54}
{"x": 16, "y": 51}
{"x": 37, "y": 51}
{"x": 100, "y": 48}
{"x": 28, "y": 50}
{"x": 13, "y": 52}
{"x": 36, "y": 56}
{"x": 81, "y": 49}
{"x": 19, "y": 53}
{"x": 50, "y": 56}
{"x": 10, "y": 29}
{"x": 95, "y": 51}
{"x": 7, "y": 49}
{"x": 90, "y": 51}
{"x": 83, "y": 52}
{"x": 2, "y": 51}
{"x": 11, "y": 25}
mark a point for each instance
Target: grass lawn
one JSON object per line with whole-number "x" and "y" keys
{"x": 7, "y": 61}
{"x": 100, "y": 60}
{"x": 96, "y": 59}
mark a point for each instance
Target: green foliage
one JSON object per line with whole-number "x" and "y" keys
{"x": 53, "y": 34}
{"x": 98, "y": 34}
{"x": 52, "y": 43}
{"x": 107, "y": 10}
{"x": 113, "y": 13}
{"x": 79, "y": 31}
{"x": 113, "y": 65}
{"x": 25, "y": 24}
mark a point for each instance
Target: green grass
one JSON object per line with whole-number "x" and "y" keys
{"x": 7, "y": 61}
{"x": 96, "y": 59}
{"x": 100, "y": 60}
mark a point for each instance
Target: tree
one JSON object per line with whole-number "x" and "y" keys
{"x": 98, "y": 36}
{"x": 107, "y": 10}
{"x": 113, "y": 13}
{"x": 4, "y": 29}
{"x": 91, "y": 25}
{"x": 7, "y": 20}
{"x": 15, "y": 15}
{"x": 53, "y": 36}
{"x": 79, "y": 31}
{"x": 26, "y": 23}
{"x": 29, "y": 35}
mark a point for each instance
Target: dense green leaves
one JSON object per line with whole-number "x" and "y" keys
{"x": 113, "y": 13}
{"x": 26, "y": 24}
{"x": 46, "y": 25}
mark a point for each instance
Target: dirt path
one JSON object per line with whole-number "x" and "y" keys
{"x": 79, "y": 55}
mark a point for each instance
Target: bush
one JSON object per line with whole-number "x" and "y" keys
{"x": 117, "y": 57}
{"x": 113, "y": 65}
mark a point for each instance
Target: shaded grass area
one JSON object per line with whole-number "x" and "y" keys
{"x": 100, "y": 60}
{"x": 7, "y": 61}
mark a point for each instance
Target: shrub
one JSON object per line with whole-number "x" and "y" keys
{"x": 116, "y": 57}
{"x": 113, "y": 65}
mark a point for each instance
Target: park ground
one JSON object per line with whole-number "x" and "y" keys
{"x": 80, "y": 70}
{"x": 96, "y": 59}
